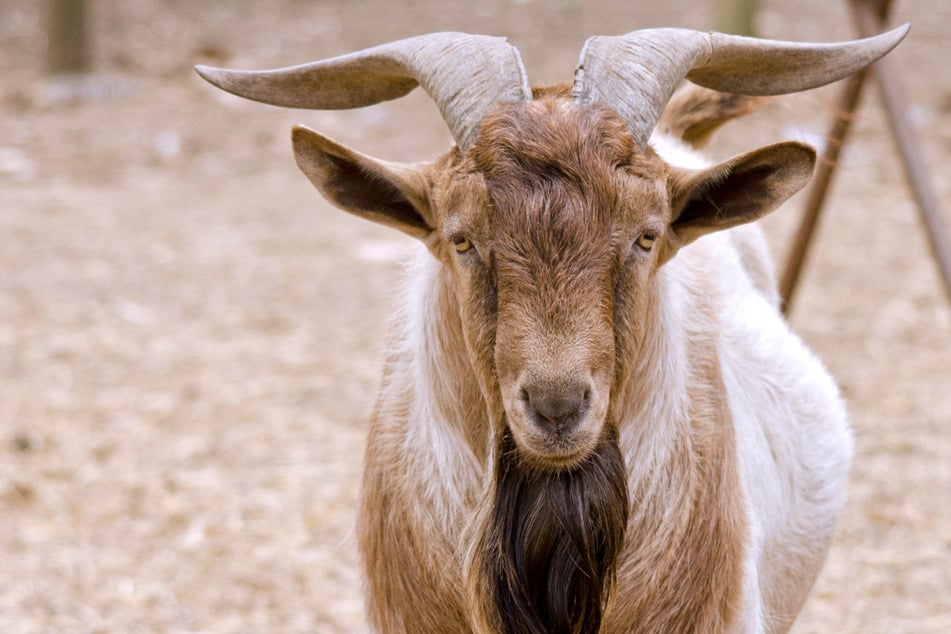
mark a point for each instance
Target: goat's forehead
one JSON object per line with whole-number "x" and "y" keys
{"x": 553, "y": 179}
{"x": 552, "y": 164}
{"x": 551, "y": 135}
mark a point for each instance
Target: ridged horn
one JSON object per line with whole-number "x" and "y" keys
{"x": 464, "y": 74}
{"x": 635, "y": 74}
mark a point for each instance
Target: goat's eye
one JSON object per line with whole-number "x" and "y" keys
{"x": 646, "y": 240}
{"x": 461, "y": 243}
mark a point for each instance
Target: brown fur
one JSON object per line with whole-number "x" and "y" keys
{"x": 549, "y": 546}
{"x": 694, "y": 113}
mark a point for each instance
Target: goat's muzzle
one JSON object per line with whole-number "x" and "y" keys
{"x": 556, "y": 409}
{"x": 556, "y": 422}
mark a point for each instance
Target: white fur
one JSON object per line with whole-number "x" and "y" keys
{"x": 435, "y": 450}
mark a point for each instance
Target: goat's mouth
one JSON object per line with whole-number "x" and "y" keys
{"x": 552, "y": 442}
{"x": 557, "y": 453}
{"x": 553, "y": 449}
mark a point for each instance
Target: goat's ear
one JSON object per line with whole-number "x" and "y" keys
{"x": 740, "y": 190}
{"x": 393, "y": 194}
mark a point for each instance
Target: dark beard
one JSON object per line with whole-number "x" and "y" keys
{"x": 551, "y": 546}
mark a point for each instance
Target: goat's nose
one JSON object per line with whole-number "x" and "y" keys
{"x": 556, "y": 407}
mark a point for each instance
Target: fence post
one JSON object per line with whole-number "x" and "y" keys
{"x": 736, "y": 16}
{"x": 68, "y": 43}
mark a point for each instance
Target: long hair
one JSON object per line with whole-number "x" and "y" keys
{"x": 550, "y": 548}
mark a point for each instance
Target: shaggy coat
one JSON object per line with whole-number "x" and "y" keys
{"x": 706, "y": 497}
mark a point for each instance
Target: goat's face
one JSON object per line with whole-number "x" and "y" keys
{"x": 549, "y": 217}
{"x": 553, "y": 224}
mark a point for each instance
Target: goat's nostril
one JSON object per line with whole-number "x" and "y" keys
{"x": 558, "y": 408}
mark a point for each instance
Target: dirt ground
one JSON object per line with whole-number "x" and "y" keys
{"x": 190, "y": 338}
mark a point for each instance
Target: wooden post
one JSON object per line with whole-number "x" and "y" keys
{"x": 816, "y": 196}
{"x": 68, "y": 44}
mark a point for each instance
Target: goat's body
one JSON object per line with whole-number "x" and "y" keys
{"x": 767, "y": 499}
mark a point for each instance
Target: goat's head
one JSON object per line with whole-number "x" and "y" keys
{"x": 553, "y": 211}
{"x": 552, "y": 216}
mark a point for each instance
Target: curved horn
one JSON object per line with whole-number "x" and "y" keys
{"x": 464, "y": 74}
{"x": 637, "y": 73}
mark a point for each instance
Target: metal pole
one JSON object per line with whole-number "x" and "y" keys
{"x": 911, "y": 158}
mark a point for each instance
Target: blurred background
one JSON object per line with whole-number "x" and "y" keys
{"x": 190, "y": 337}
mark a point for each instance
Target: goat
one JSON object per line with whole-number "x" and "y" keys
{"x": 591, "y": 419}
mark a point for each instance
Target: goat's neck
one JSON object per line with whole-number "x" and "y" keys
{"x": 677, "y": 437}
{"x": 650, "y": 401}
